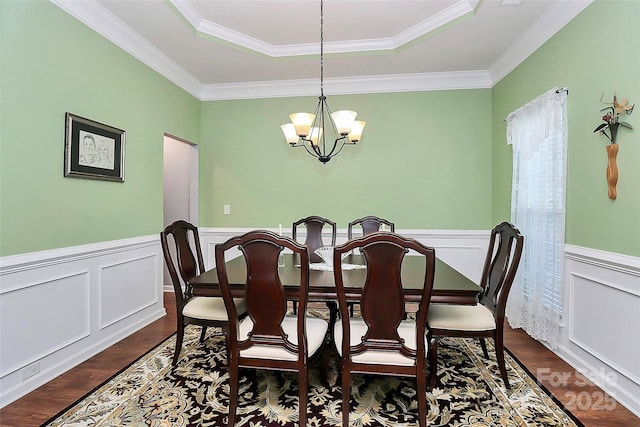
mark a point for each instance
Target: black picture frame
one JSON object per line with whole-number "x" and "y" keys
{"x": 93, "y": 150}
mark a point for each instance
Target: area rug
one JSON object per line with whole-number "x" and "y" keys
{"x": 196, "y": 393}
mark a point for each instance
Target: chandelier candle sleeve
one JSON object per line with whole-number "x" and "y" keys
{"x": 289, "y": 131}
{"x": 356, "y": 131}
{"x": 344, "y": 120}
{"x": 316, "y": 135}
{"x": 302, "y": 123}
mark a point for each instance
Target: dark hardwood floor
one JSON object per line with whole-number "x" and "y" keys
{"x": 587, "y": 402}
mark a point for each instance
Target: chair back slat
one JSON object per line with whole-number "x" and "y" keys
{"x": 369, "y": 224}
{"x": 501, "y": 264}
{"x": 314, "y": 225}
{"x": 264, "y": 293}
{"x": 382, "y": 301}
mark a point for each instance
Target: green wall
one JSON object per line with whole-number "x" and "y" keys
{"x": 424, "y": 162}
{"x": 599, "y": 51}
{"x": 52, "y": 64}
{"x": 428, "y": 159}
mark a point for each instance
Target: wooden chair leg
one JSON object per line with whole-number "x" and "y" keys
{"x": 203, "y": 333}
{"x": 433, "y": 361}
{"x": 500, "y": 357}
{"x": 483, "y": 344}
{"x": 233, "y": 392}
{"x": 295, "y": 307}
{"x": 421, "y": 391}
{"x": 324, "y": 358}
{"x": 303, "y": 382}
{"x": 179, "y": 339}
{"x": 346, "y": 393}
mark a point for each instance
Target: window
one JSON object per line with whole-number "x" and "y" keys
{"x": 538, "y": 133}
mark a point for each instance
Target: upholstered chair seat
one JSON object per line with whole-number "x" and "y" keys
{"x": 461, "y": 317}
{"x": 316, "y": 329}
{"x": 406, "y": 331}
{"x": 210, "y": 308}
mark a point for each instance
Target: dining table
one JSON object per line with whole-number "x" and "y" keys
{"x": 449, "y": 286}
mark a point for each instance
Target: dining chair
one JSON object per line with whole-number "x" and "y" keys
{"x": 486, "y": 319}
{"x": 368, "y": 224}
{"x": 313, "y": 239}
{"x": 381, "y": 341}
{"x": 202, "y": 311}
{"x": 269, "y": 338}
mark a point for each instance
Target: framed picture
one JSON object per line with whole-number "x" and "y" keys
{"x": 93, "y": 150}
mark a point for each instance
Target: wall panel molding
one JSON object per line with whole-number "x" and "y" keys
{"x": 52, "y": 327}
{"x": 125, "y": 288}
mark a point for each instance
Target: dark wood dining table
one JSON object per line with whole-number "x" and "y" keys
{"x": 450, "y": 286}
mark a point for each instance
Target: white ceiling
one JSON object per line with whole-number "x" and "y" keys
{"x": 229, "y": 49}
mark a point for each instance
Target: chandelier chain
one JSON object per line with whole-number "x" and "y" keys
{"x": 321, "y": 48}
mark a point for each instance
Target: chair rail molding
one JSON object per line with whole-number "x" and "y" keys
{"x": 89, "y": 296}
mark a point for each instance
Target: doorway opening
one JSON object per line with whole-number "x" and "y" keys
{"x": 180, "y": 185}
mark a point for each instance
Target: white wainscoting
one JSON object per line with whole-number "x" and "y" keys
{"x": 60, "y": 307}
{"x": 601, "y": 316}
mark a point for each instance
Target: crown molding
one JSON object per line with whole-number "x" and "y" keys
{"x": 349, "y": 85}
{"x": 243, "y": 41}
{"x": 95, "y": 16}
{"x": 552, "y": 21}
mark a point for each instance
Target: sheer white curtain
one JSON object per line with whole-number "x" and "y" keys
{"x": 538, "y": 133}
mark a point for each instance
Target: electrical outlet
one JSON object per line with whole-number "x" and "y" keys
{"x": 227, "y": 209}
{"x": 30, "y": 370}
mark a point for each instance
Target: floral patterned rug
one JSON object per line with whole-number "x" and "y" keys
{"x": 196, "y": 393}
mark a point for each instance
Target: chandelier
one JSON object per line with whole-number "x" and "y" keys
{"x": 310, "y": 130}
